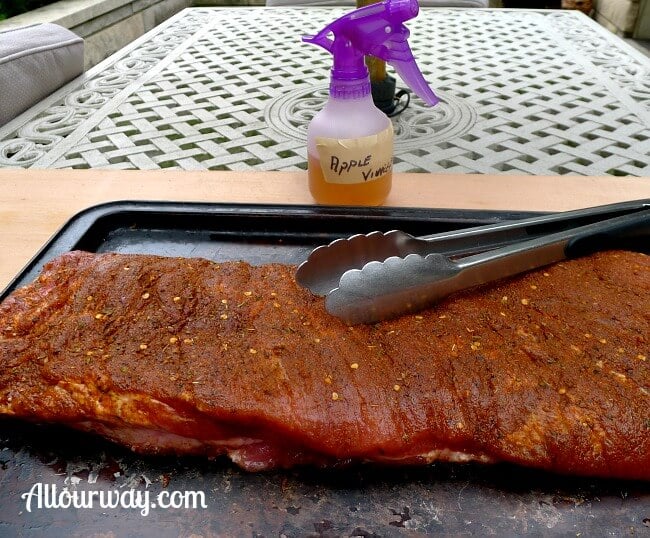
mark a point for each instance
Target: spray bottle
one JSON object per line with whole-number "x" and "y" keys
{"x": 350, "y": 141}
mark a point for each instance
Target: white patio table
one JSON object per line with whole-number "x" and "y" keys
{"x": 524, "y": 92}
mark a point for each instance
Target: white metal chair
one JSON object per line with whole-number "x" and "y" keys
{"x": 34, "y": 61}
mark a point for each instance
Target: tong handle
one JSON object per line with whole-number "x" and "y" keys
{"x": 517, "y": 258}
{"x": 490, "y": 236}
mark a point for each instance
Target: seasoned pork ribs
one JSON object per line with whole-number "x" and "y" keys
{"x": 188, "y": 356}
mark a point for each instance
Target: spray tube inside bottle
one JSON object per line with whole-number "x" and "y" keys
{"x": 350, "y": 141}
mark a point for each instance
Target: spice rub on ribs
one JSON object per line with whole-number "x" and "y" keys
{"x": 187, "y": 356}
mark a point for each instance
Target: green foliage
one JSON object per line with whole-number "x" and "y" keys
{"x": 9, "y": 8}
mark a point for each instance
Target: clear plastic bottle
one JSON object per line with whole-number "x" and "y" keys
{"x": 350, "y": 149}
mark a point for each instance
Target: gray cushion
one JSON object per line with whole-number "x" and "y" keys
{"x": 423, "y": 3}
{"x": 34, "y": 61}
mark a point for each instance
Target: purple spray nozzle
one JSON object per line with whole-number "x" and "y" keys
{"x": 376, "y": 30}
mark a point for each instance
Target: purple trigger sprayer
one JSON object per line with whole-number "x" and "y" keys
{"x": 350, "y": 141}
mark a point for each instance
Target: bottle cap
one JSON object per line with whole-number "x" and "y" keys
{"x": 350, "y": 89}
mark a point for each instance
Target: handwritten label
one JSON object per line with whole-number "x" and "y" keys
{"x": 356, "y": 160}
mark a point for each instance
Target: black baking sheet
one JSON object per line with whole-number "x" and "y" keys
{"x": 446, "y": 499}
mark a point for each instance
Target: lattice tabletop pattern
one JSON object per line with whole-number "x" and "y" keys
{"x": 535, "y": 92}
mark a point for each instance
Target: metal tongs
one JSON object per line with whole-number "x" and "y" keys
{"x": 372, "y": 277}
